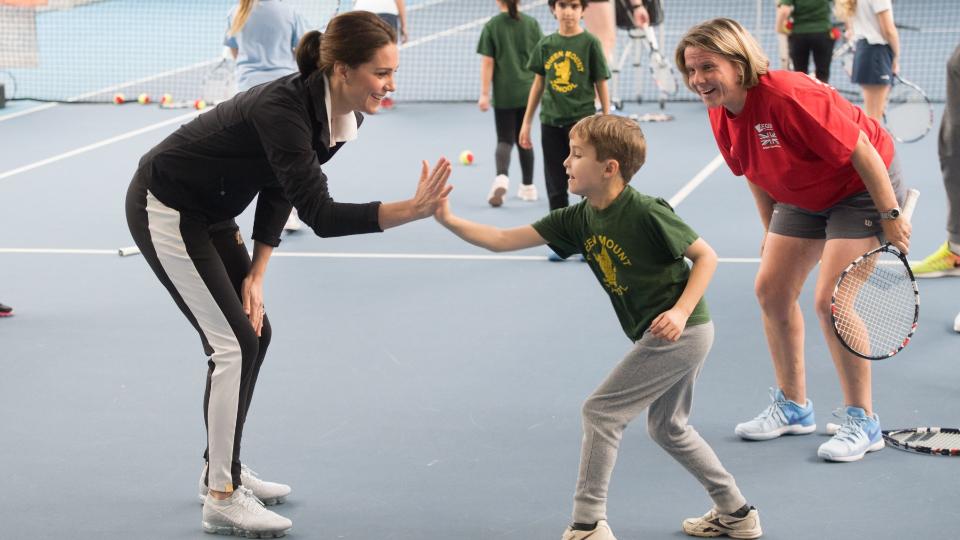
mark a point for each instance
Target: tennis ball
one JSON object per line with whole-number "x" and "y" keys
{"x": 119, "y": 98}
{"x": 835, "y": 33}
{"x": 166, "y": 99}
{"x": 789, "y": 26}
{"x": 143, "y": 99}
{"x": 199, "y": 104}
{"x": 466, "y": 157}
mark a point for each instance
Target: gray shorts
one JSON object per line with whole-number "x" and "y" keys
{"x": 853, "y": 217}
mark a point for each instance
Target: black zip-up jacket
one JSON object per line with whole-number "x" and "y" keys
{"x": 268, "y": 141}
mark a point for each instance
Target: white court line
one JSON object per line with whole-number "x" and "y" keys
{"x": 462, "y": 27}
{"x": 696, "y": 181}
{"x": 94, "y": 146}
{"x": 38, "y": 108}
{"x": 321, "y": 255}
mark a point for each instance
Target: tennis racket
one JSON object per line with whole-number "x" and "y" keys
{"x": 844, "y": 55}
{"x": 219, "y": 83}
{"x": 934, "y": 441}
{"x": 909, "y": 114}
{"x": 876, "y": 302}
{"x": 663, "y": 74}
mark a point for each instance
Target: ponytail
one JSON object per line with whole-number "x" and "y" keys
{"x": 512, "y": 9}
{"x": 308, "y": 52}
{"x": 241, "y": 16}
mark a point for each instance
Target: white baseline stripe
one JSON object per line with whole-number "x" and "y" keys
{"x": 320, "y": 255}
{"x": 462, "y": 27}
{"x": 38, "y": 108}
{"x": 94, "y": 146}
{"x": 696, "y": 181}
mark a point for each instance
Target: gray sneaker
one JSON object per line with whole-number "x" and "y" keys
{"x": 242, "y": 514}
{"x": 269, "y": 493}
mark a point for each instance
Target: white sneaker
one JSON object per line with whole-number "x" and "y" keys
{"x": 956, "y": 323}
{"x": 714, "y": 524}
{"x": 269, "y": 493}
{"x": 242, "y": 514}
{"x": 527, "y": 193}
{"x": 601, "y": 532}
{"x": 499, "y": 188}
{"x": 857, "y": 435}
{"x": 782, "y": 417}
{"x": 293, "y": 222}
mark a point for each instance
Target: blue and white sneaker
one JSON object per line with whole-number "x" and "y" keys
{"x": 857, "y": 435}
{"x": 782, "y": 417}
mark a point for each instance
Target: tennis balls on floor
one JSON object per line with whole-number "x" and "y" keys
{"x": 119, "y": 99}
{"x": 143, "y": 99}
{"x": 466, "y": 157}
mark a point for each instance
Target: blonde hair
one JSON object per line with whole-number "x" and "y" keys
{"x": 844, "y": 9}
{"x": 729, "y": 39}
{"x": 614, "y": 137}
{"x": 240, "y": 18}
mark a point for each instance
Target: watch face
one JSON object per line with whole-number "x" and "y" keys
{"x": 895, "y": 213}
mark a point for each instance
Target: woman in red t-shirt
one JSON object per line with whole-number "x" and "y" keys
{"x": 827, "y": 184}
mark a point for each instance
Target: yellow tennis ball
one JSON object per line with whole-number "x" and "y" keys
{"x": 119, "y": 98}
{"x": 166, "y": 99}
{"x": 200, "y": 104}
{"x": 143, "y": 99}
{"x": 466, "y": 157}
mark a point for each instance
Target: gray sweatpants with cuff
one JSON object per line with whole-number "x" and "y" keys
{"x": 949, "y": 147}
{"x": 659, "y": 375}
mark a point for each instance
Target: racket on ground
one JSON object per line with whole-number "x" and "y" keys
{"x": 876, "y": 303}
{"x": 934, "y": 441}
{"x": 909, "y": 114}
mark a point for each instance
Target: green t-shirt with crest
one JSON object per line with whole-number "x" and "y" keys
{"x": 570, "y": 66}
{"x": 635, "y": 249}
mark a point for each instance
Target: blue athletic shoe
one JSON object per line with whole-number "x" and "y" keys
{"x": 857, "y": 435}
{"x": 782, "y": 417}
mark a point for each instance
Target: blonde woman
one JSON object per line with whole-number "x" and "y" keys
{"x": 262, "y": 35}
{"x": 826, "y": 184}
{"x": 877, "y": 58}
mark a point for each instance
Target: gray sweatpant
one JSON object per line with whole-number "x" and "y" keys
{"x": 658, "y": 374}
{"x": 949, "y": 147}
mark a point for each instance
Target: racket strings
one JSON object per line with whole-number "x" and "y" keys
{"x": 934, "y": 440}
{"x": 874, "y": 306}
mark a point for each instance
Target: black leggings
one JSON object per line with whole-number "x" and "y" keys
{"x": 818, "y": 43}
{"x": 556, "y": 147}
{"x": 508, "y": 122}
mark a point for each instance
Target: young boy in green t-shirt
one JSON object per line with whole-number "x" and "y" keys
{"x": 570, "y": 68}
{"x": 635, "y": 245}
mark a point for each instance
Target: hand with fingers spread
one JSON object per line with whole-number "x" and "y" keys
{"x": 669, "y": 324}
{"x": 432, "y": 187}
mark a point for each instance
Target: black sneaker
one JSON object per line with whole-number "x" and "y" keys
{"x": 5, "y": 311}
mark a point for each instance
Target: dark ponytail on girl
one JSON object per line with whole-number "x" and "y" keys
{"x": 512, "y": 8}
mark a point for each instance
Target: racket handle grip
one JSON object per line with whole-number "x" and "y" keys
{"x": 910, "y": 203}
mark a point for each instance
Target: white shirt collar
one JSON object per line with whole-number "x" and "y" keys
{"x": 342, "y": 128}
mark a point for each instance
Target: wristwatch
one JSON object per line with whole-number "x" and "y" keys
{"x": 893, "y": 213}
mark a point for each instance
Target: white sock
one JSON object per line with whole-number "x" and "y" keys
{"x": 954, "y": 247}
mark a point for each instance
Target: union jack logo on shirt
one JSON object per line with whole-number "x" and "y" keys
{"x": 768, "y": 137}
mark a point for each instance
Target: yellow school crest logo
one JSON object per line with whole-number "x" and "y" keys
{"x": 606, "y": 253}
{"x": 563, "y": 63}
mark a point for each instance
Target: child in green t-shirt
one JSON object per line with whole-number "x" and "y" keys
{"x": 570, "y": 69}
{"x": 635, "y": 245}
{"x": 505, "y": 45}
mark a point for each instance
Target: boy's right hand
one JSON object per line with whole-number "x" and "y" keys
{"x": 484, "y": 103}
{"x": 443, "y": 213}
{"x": 525, "y": 141}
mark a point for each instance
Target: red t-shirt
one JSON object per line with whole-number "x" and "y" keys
{"x": 794, "y": 139}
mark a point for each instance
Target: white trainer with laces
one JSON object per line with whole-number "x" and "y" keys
{"x": 497, "y": 191}
{"x": 713, "y": 524}
{"x": 242, "y": 514}
{"x": 601, "y": 532}
{"x": 857, "y": 435}
{"x": 270, "y": 493}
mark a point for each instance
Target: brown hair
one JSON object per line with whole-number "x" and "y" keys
{"x": 512, "y": 8}
{"x": 351, "y": 38}
{"x": 728, "y": 39}
{"x": 240, "y": 18}
{"x": 614, "y": 137}
{"x": 844, "y": 9}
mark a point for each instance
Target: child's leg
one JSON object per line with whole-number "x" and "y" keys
{"x": 556, "y": 147}
{"x": 667, "y": 424}
{"x": 653, "y": 367}
{"x": 526, "y": 155}
{"x": 507, "y": 136}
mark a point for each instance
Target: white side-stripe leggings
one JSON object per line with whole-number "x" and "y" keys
{"x": 203, "y": 266}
